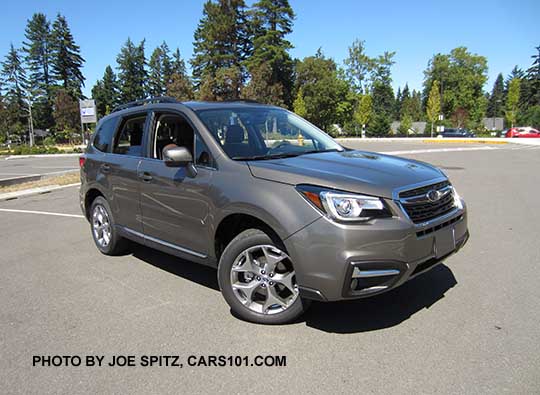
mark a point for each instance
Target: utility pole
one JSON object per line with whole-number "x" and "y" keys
{"x": 31, "y": 124}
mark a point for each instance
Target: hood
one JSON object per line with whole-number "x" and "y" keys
{"x": 353, "y": 171}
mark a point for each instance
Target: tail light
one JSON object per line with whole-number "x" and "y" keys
{"x": 82, "y": 159}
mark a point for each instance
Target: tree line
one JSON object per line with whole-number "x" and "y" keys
{"x": 242, "y": 52}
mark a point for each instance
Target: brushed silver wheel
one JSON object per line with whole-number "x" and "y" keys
{"x": 101, "y": 226}
{"x": 263, "y": 279}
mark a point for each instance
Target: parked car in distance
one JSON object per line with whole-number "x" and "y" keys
{"x": 456, "y": 132}
{"x": 523, "y": 132}
{"x": 284, "y": 220}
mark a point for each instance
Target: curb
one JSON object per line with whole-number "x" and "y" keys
{"x": 33, "y": 177}
{"x": 33, "y": 191}
{"x": 12, "y": 157}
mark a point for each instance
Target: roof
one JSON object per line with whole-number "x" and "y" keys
{"x": 208, "y": 105}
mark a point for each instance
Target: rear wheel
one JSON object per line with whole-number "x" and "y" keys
{"x": 258, "y": 280}
{"x": 103, "y": 230}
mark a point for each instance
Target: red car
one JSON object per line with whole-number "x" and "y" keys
{"x": 522, "y": 132}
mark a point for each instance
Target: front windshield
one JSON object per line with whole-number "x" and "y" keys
{"x": 259, "y": 133}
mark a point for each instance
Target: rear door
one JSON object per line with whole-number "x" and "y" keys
{"x": 121, "y": 170}
{"x": 176, "y": 205}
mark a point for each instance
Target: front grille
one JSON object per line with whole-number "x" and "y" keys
{"x": 424, "y": 210}
{"x": 423, "y": 190}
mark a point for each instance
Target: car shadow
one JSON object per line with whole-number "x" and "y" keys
{"x": 200, "y": 274}
{"x": 385, "y": 310}
{"x": 361, "y": 315}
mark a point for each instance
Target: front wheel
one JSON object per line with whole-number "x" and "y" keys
{"x": 258, "y": 281}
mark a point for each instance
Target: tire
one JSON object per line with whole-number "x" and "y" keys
{"x": 103, "y": 230}
{"x": 254, "y": 291}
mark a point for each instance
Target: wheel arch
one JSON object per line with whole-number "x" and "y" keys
{"x": 235, "y": 223}
{"x": 90, "y": 195}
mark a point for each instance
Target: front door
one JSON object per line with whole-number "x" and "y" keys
{"x": 175, "y": 205}
{"x": 121, "y": 171}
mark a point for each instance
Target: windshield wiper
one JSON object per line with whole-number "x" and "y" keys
{"x": 321, "y": 151}
{"x": 265, "y": 157}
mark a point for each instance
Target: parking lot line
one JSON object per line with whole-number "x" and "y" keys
{"x": 427, "y": 151}
{"x": 41, "y": 213}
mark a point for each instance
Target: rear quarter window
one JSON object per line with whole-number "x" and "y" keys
{"x": 104, "y": 135}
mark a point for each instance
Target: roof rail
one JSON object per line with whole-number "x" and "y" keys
{"x": 242, "y": 100}
{"x": 150, "y": 100}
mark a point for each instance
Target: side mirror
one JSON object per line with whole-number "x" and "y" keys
{"x": 177, "y": 156}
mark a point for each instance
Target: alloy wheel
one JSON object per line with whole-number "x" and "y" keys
{"x": 101, "y": 226}
{"x": 263, "y": 279}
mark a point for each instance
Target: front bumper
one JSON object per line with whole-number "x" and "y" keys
{"x": 336, "y": 261}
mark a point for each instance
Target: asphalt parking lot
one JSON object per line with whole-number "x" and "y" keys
{"x": 471, "y": 325}
{"x": 19, "y": 167}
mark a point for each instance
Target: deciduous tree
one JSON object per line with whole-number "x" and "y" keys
{"x": 512, "y": 101}
{"x": 433, "y": 107}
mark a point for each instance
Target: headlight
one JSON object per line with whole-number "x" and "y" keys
{"x": 342, "y": 206}
{"x": 457, "y": 199}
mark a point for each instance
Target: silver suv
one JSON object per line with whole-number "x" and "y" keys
{"x": 284, "y": 213}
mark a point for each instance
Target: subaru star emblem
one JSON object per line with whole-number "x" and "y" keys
{"x": 433, "y": 195}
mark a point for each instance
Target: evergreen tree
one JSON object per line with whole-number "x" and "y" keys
{"x": 260, "y": 87}
{"x": 496, "y": 99}
{"x": 14, "y": 84}
{"x": 178, "y": 66}
{"x": 533, "y": 78}
{"x": 383, "y": 105}
{"x": 160, "y": 70}
{"x": 105, "y": 92}
{"x": 66, "y": 115}
{"x": 131, "y": 71}
{"x": 220, "y": 48}
{"x": 270, "y": 64}
{"x": 404, "y": 98}
{"x": 36, "y": 48}
{"x": 397, "y": 110}
{"x": 66, "y": 60}
{"x": 179, "y": 84}
{"x": 180, "y": 87}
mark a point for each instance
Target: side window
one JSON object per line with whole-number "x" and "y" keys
{"x": 202, "y": 153}
{"x": 171, "y": 130}
{"x": 104, "y": 134}
{"x": 129, "y": 138}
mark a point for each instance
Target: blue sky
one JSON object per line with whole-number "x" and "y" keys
{"x": 506, "y": 32}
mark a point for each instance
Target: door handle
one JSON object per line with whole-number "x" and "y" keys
{"x": 146, "y": 177}
{"x": 105, "y": 168}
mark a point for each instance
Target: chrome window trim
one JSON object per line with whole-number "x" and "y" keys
{"x": 165, "y": 243}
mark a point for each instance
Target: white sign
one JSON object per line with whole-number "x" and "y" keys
{"x": 88, "y": 111}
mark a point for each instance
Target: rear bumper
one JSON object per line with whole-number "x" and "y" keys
{"x": 335, "y": 261}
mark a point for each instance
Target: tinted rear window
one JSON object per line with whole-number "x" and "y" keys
{"x": 103, "y": 138}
